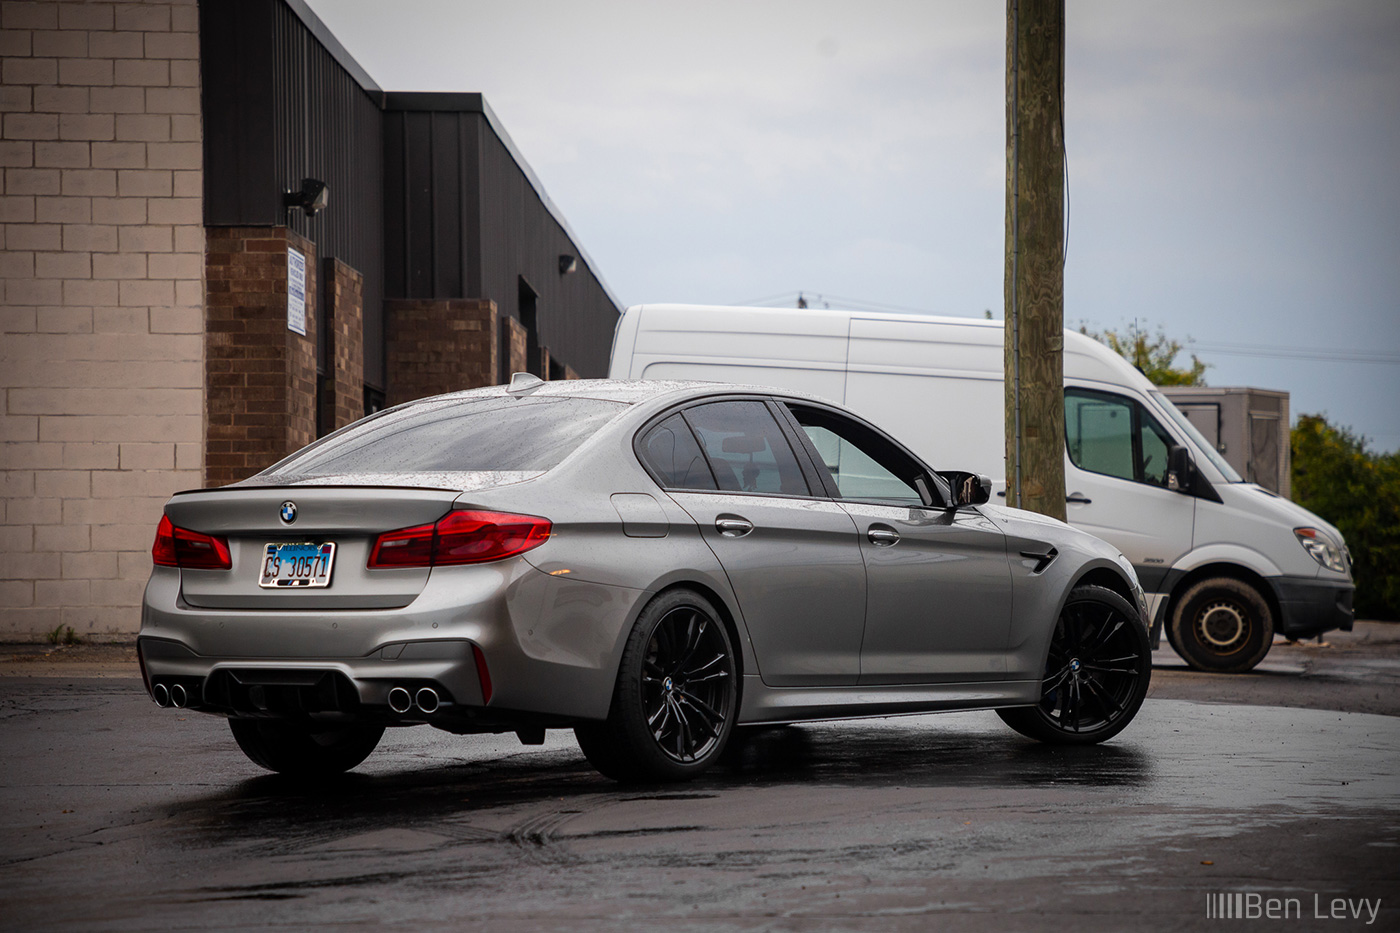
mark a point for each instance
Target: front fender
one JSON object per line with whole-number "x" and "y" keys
{"x": 1226, "y": 554}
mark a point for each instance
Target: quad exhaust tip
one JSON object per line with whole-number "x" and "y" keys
{"x": 400, "y": 701}
{"x": 179, "y": 696}
{"x": 160, "y": 695}
{"x": 427, "y": 700}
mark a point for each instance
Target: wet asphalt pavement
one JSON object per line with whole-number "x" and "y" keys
{"x": 121, "y": 816}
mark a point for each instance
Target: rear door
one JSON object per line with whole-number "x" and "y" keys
{"x": 791, "y": 556}
{"x": 938, "y": 583}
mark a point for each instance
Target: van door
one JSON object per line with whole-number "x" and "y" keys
{"x": 1116, "y": 481}
{"x": 936, "y": 387}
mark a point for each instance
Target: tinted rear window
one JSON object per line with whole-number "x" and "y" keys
{"x": 671, "y": 452}
{"x": 459, "y": 435}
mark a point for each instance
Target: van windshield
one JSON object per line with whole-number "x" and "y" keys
{"x": 1197, "y": 438}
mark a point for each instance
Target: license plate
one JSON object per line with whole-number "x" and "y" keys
{"x": 301, "y": 564}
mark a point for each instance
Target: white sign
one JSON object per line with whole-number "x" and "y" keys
{"x": 296, "y": 291}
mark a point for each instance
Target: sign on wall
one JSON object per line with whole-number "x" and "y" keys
{"x": 296, "y": 291}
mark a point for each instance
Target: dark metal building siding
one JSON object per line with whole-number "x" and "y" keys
{"x": 430, "y": 206}
{"x": 426, "y": 199}
{"x": 576, "y": 317}
{"x": 463, "y": 221}
{"x": 278, "y": 108}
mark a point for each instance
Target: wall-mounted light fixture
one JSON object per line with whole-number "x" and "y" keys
{"x": 567, "y": 263}
{"x": 310, "y": 197}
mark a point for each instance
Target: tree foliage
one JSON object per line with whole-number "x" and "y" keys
{"x": 1335, "y": 476}
{"x": 1154, "y": 355}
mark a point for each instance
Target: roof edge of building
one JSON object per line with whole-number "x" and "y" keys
{"x": 447, "y": 101}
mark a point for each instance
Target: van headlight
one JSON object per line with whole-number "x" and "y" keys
{"x": 1321, "y": 548}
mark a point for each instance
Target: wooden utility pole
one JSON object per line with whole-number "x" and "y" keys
{"x": 1034, "y": 284}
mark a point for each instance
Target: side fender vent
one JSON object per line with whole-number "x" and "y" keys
{"x": 1042, "y": 559}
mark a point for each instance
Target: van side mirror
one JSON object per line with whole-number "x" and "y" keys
{"x": 968, "y": 488}
{"x": 1180, "y": 468}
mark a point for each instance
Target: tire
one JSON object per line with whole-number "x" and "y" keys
{"x": 1222, "y": 625}
{"x": 295, "y": 749}
{"x": 1096, "y": 674}
{"x": 676, "y": 697}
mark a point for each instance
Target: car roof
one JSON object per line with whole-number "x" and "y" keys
{"x": 627, "y": 391}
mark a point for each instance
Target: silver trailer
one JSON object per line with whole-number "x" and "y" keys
{"x": 1248, "y": 426}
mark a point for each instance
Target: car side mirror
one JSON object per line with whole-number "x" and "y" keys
{"x": 1180, "y": 467}
{"x": 968, "y": 488}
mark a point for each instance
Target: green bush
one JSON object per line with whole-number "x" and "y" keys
{"x": 1335, "y": 476}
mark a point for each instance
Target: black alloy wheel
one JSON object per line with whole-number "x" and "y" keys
{"x": 685, "y": 684}
{"x": 1096, "y": 674}
{"x": 676, "y": 696}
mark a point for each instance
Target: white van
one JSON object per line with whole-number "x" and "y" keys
{"x": 1225, "y": 563}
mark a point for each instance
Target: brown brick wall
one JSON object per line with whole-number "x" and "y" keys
{"x": 260, "y": 376}
{"x": 346, "y": 366}
{"x": 439, "y": 345}
{"x": 517, "y": 344}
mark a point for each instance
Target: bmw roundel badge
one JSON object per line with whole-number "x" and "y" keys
{"x": 289, "y": 512}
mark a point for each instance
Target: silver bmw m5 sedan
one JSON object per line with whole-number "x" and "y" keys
{"x": 650, "y": 564}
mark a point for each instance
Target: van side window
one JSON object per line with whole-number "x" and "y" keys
{"x": 863, "y": 465}
{"x": 670, "y": 451}
{"x": 746, "y": 448}
{"x": 1115, "y": 436}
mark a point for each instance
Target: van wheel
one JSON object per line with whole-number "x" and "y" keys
{"x": 676, "y": 697}
{"x": 1222, "y": 625}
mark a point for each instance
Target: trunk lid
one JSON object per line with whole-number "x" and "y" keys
{"x": 350, "y": 517}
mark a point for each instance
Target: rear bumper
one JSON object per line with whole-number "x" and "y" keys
{"x": 1309, "y": 606}
{"x": 330, "y": 688}
{"x": 549, "y": 646}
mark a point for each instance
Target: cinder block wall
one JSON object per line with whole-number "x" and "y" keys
{"x": 101, "y": 324}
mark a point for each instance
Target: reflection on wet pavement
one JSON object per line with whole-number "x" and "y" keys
{"x": 874, "y": 819}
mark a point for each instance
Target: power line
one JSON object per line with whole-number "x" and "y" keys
{"x": 1325, "y": 355}
{"x": 758, "y": 301}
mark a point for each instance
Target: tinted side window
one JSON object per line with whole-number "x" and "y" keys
{"x": 1154, "y": 443}
{"x": 746, "y": 448}
{"x": 669, "y": 449}
{"x": 1115, "y": 436}
{"x": 1099, "y": 433}
{"x": 863, "y": 465}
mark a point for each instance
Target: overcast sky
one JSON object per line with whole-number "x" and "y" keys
{"x": 1233, "y": 166}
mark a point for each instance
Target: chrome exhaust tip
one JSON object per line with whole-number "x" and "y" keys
{"x": 179, "y": 697}
{"x": 399, "y": 700}
{"x": 427, "y": 699}
{"x": 160, "y": 695}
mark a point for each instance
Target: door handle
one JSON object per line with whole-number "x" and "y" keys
{"x": 1078, "y": 498}
{"x": 733, "y": 527}
{"x": 882, "y": 537}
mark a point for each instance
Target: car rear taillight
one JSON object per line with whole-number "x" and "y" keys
{"x": 188, "y": 550}
{"x": 463, "y": 537}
